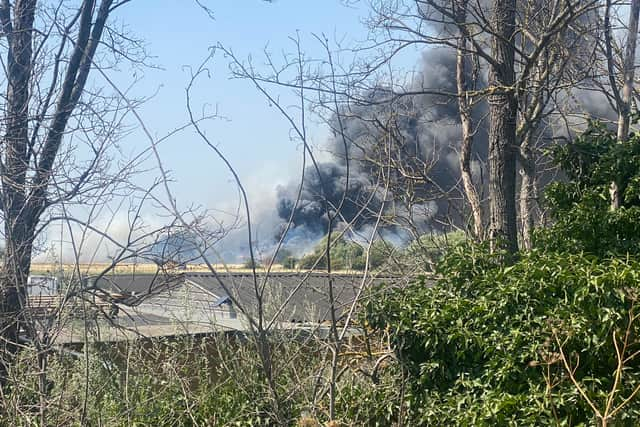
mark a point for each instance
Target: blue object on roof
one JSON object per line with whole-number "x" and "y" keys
{"x": 222, "y": 300}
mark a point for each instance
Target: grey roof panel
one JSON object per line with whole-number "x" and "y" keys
{"x": 294, "y": 297}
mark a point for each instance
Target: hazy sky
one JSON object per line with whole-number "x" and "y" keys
{"x": 253, "y": 136}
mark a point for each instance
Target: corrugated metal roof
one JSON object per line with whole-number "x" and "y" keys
{"x": 290, "y": 297}
{"x": 153, "y": 305}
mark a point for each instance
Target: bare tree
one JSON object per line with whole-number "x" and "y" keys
{"x": 464, "y": 61}
{"x": 47, "y": 67}
{"x": 41, "y": 177}
{"x": 502, "y": 129}
{"x": 622, "y": 96}
{"x": 566, "y": 60}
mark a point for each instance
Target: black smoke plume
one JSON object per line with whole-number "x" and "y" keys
{"x": 323, "y": 193}
{"x": 406, "y": 142}
{"x": 410, "y": 142}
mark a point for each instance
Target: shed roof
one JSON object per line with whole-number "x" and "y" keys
{"x": 290, "y": 297}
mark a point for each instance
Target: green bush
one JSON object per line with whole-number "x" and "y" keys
{"x": 347, "y": 255}
{"x": 580, "y": 206}
{"x": 479, "y": 344}
{"x": 428, "y": 249}
{"x": 496, "y": 344}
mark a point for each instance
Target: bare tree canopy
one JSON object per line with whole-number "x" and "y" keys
{"x": 50, "y": 50}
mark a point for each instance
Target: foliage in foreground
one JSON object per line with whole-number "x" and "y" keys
{"x": 551, "y": 339}
{"x": 580, "y": 206}
{"x": 192, "y": 381}
{"x": 484, "y": 345}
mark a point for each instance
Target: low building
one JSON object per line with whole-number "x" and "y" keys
{"x": 42, "y": 285}
{"x": 153, "y": 305}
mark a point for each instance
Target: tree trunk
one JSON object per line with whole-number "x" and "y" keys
{"x": 502, "y": 130}
{"x": 24, "y": 200}
{"x": 17, "y": 264}
{"x": 624, "y": 104}
{"x": 629, "y": 72}
{"x": 464, "y": 106}
{"x": 528, "y": 193}
{"x": 18, "y": 233}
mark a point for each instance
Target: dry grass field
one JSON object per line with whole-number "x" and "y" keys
{"x": 96, "y": 268}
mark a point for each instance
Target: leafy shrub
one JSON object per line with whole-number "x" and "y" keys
{"x": 427, "y": 250}
{"x": 347, "y": 255}
{"x": 580, "y": 206}
{"x": 481, "y": 345}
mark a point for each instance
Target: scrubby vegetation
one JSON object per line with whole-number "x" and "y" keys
{"x": 215, "y": 381}
{"x": 347, "y": 255}
{"x": 552, "y": 338}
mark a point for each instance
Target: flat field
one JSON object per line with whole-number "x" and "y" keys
{"x": 96, "y": 268}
